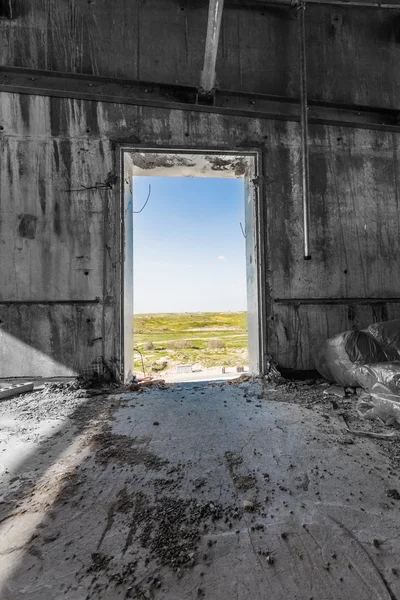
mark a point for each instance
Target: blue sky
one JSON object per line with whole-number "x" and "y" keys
{"x": 189, "y": 251}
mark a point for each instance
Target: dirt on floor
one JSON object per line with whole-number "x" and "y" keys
{"x": 152, "y": 493}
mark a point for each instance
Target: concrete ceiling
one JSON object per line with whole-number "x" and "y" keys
{"x": 264, "y": 4}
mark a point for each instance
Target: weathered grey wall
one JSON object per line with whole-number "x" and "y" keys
{"x": 355, "y": 228}
{"x": 353, "y": 54}
{"x": 53, "y": 244}
{"x": 59, "y": 243}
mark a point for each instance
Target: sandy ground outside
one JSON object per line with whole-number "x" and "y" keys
{"x": 199, "y": 490}
{"x": 210, "y": 374}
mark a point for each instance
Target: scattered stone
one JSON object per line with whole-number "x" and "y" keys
{"x": 117, "y": 448}
{"x": 199, "y": 482}
{"x": 268, "y": 555}
{"x": 393, "y": 494}
{"x": 157, "y": 383}
{"x": 304, "y": 483}
{"x": 242, "y": 482}
{"x": 335, "y": 390}
{"x": 169, "y": 529}
{"x": 99, "y": 563}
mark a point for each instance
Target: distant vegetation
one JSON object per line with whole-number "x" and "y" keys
{"x": 216, "y": 343}
{"x": 206, "y": 339}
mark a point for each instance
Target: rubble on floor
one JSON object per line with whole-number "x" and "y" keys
{"x": 250, "y": 489}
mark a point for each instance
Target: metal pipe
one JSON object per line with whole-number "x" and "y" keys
{"x": 344, "y": 301}
{"x": 207, "y": 78}
{"x": 305, "y": 175}
{"x": 47, "y": 302}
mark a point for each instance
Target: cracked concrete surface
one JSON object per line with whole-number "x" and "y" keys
{"x": 196, "y": 491}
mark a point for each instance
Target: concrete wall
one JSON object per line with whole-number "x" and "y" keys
{"x": 355, "y": 241}
{"x": 60, "y": 258}
{"x": 353, "y": 54}
{"x": 57, "y": 243}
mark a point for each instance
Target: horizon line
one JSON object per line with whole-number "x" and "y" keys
{"x": 191, "y": 312}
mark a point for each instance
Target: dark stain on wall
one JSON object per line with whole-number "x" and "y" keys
{"x": 42, "y": 194}
{"x": 379, "y": 312}
{"x": 21, "y": 158}
{"x": 335, "y": 25}
{"x": 66, "y": 156}
{"x": 24, "y": 102}
{"x": 55, "y": 116}
{"x": 351, "y": 314}
{"x": 10, "y": 168}
{"x": 318, "y": 205}
{"x": 27, "y": 226}
{"x": 56, "y": 330}
{"x": 282, "y": 209}
{"x": 57, "y": 218}
{"x": 56, "y": 155}
{"x": 388, "y": 30}
{"x": 92, "y": 121}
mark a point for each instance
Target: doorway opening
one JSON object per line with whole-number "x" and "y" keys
{"x": 191, "y": 247}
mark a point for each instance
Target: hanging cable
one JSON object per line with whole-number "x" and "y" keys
{"x": 136, "y": 212}
{"x": 141, "y": 356}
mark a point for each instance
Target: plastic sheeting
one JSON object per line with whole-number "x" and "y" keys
{"x": 380, "y": 403}
{"x": 384, "y": 373}
{"x": 338, "y": 356}
{"x": 333, "y": 361}
{"x": 370, "y": 359}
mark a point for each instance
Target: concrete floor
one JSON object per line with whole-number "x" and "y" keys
{"x": 196, "y": 491}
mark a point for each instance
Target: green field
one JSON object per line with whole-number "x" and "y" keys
{"x": 168, "y": 339}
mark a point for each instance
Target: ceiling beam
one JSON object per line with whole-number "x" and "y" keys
{"x": 178, "y": 97}
{"x": 264, "y": 4}
{"x": 207, "y": 79}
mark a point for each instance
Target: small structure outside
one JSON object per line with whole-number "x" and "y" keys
{"x": 183, "y": 369}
